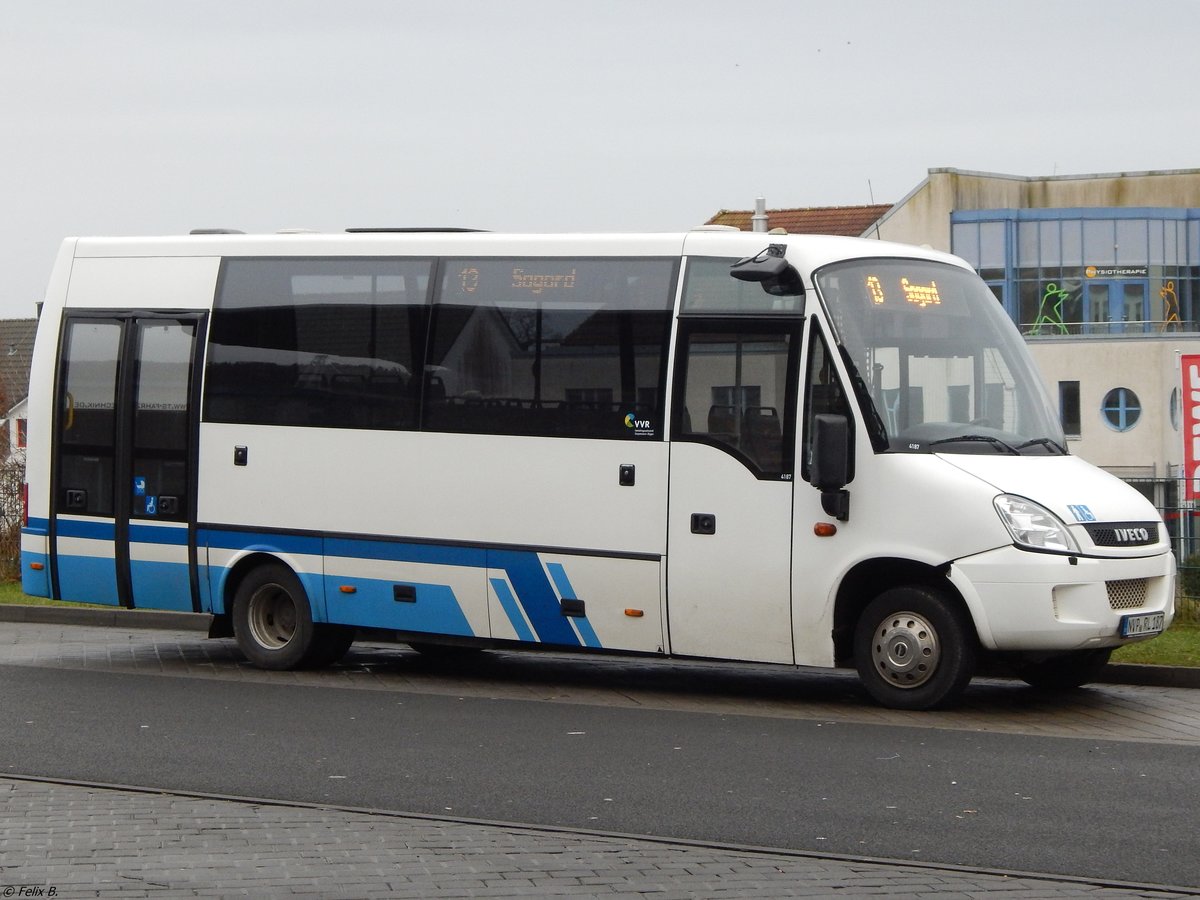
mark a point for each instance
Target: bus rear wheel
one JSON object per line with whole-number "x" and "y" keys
{"x": 914, "y": 648}
{"x": 272, "y": 620}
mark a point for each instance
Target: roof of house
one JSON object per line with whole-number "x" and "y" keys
{"x": 16, "y": 355}
{"x": 849, "y": 221}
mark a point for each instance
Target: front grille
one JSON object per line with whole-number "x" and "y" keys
{"x": 1128, "y": 594}
{"x": 1123, "y": 534}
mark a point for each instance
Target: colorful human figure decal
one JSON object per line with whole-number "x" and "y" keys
{"x": 1170, "y": 306}
{"x": 1050, "y": 311}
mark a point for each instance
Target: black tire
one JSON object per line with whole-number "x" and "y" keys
{"x": 272, "y": 620}
{"x": 330, "y": 643}
{"x": 914, "y": 648}
{"x": 1064, "y": 671}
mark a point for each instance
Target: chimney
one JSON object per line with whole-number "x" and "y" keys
{"x": 758, "y": 221}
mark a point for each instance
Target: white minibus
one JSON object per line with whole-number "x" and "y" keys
{"x": 803, "y": 450}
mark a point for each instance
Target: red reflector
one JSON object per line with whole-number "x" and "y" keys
{"x": 25, "y": 505}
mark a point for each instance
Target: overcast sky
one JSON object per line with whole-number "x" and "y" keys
{"x": 156, "y": 117}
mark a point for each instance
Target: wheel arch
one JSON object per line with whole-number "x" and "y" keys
{"x": 870, "y": 578}
{"x": 231, "y": 579}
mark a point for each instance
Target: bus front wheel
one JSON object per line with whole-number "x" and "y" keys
{"x": 914, "y": 648}
{"x": 272, "y": 621}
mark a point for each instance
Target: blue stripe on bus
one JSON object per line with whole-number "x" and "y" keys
{"x": 150, "y": 534}
{"x": 87, "y": 579}
{"x": 531, "y": 589}
{"x": 536, "y": 596}
{"x": 434, "y": 554}
{"x": 559, "y": 574}
{"x": 586, "y": 632}
{"x": 94, "y": 529}
{"x": 161, "y": 585}
{"x": 437, "y": 609}
{"x": 105, "y": 530}
{"x": 35, "y": 582}
{"x": 512, "y": 609}
{"x": 36, "y": 526}
{"x": 256, "y": 540}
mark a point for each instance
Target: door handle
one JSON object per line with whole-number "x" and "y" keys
{"x": 704, "y": 523}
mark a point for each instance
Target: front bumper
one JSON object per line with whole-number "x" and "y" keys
{"x": 1022, "y": 600}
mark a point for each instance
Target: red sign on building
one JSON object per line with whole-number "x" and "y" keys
{"x": 1189, "y": 394}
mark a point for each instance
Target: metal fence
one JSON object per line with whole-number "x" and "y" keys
{"x": 1182, "y": 517}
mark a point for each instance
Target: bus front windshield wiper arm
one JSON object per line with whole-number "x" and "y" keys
{"x": 1045, "y": 442}
{"x": 995, "y": 441}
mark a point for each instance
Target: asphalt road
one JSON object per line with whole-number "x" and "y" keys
{"x": 1125, "y": 810}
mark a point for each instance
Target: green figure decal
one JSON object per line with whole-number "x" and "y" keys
{"x": 1050, "y": 311}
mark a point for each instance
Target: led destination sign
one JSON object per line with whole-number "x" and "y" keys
{"x": 920, "y": 295}
{"x": 535, "y": 283}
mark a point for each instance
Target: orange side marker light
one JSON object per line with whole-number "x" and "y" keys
{"x": 348, "y": 589}
{"x": 634, "y": 613}
{"x": 824, "y": 529}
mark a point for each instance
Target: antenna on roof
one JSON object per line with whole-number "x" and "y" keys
{"x": 871, "y": 194}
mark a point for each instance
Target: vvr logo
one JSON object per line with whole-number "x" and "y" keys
{"x": 632, "y": 422}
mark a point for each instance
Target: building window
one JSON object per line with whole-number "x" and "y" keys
{"x": 1068, "y": 407}
{"x": 1121, "y": 409}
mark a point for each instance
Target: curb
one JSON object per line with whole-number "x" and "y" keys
{"x": 1152, "y": 676}
{"x": 112, "y": 617}
{"x": 117, "y": 617}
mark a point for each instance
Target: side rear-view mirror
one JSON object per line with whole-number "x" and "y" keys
{"x": 777, "y": 276}
{"x": 829, "y": 466}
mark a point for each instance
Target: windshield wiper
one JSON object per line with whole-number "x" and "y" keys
{"x": 994, "y": 441}
{"x": 1045, "y": 442}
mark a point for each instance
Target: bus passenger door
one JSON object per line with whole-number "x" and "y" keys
{"x": 123, "y": 480}
{"x": 729, "y": 533}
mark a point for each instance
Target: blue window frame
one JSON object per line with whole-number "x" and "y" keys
{"x": 1121, "y": 409}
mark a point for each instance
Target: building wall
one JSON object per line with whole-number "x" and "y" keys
{"x": 923, "y": 217}
{"x": 10, "y": 444}
{"x": 1146, "y": 363}
{"x": 1149, "y": 366}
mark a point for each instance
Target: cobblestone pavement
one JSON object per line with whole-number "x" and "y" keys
{"x": 72, "y": 840}
{"x": 80, "y": 841}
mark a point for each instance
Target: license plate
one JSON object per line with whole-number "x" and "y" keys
{"x": 1138, "y": 626}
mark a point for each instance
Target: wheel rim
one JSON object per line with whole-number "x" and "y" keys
{"x": 272, "y": 617}
{"x": 905, "y": 650}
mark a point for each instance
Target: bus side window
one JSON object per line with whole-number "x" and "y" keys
{"x": 738, "y": 380}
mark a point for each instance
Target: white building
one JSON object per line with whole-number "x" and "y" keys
{"x": 1101, "y": 273}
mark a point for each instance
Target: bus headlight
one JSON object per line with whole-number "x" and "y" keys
{"x": 1033, "y": 526}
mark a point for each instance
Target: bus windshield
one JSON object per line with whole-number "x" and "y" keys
{"x": 936, "y": 365}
